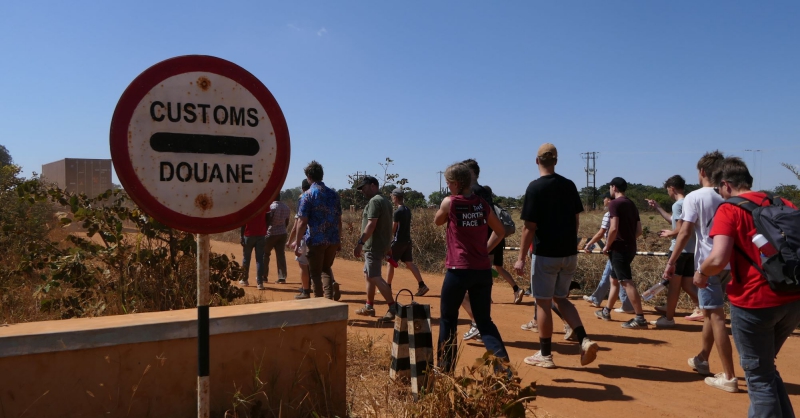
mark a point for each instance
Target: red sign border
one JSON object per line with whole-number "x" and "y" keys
{"x": 120, "y": 155}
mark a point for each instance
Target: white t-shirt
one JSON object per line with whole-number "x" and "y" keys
{"x": 699, "y": 207}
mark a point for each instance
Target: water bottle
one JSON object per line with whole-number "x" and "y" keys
{"x": 653, "y": 291}
{"x": 494, "y": 273}
{"x": 766, "y": 249}
{"x": 391, "y": 261}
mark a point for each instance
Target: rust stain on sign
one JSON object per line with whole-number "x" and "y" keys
{"x": 204, "y": 83}
{"x": 204, "y": 202}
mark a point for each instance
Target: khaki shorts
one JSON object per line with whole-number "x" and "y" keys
{"x": 372, "y": 264}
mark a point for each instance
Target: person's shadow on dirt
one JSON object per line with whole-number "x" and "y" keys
{"x": 641, "y": 372}
{"x": 596, "y": 392}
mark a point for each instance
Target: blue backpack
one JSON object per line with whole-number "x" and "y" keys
{"x": 780, "y": 225}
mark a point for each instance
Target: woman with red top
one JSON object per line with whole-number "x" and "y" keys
{"x": 761, "y": 318}
{"x": 468, "y": 218}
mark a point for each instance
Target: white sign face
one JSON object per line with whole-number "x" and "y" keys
{"x": 202, "y": 144}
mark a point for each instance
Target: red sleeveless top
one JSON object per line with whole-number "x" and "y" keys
{"x": 467, "y": 230}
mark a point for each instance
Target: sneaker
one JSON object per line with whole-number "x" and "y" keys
{"x": 661, "y": 309}
{"x": 302, "y": 295}
{"x": 587, "y": 298}
{"x": 701, "y": 366}
{"x": 697, "y": 315}
{"x": 338, "y": 295}
{"x": 720, "y": 382}
{"x": 603, "y": 315}
{"x": 518, "y": 296}
{"x": 569, "y": 335}
{"x": 539, "y": 360}
{"x": 366, "y": 310}
{"x": 422, "y": 291}
{"x": 663, "y": 322}
{"x": 389, "y": 317}
{"x": 530, "y": 326}
{"x": 620, "y": 310}
{"x": 528, "y": 292}
{"x": 260, "y": 286}
{"x": 634, "y": 324}
{"x": 244, "y": 283}
{"x": 281, "y": 281}
{"x": 472, "y": 333}
{"x": 589, "y": 350}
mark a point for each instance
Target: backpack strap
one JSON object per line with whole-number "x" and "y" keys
{"x": 748, "y": 206}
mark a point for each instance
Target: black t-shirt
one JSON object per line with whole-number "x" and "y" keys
{"x": 552, "y": 201}
{"x": 403, "y": 217}
{"x": 482, "y": 192}
{"x": 628, "y": 215}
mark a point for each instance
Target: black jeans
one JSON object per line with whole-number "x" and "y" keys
{"x": 479, "y": 285}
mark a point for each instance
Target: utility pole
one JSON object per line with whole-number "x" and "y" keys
{"x": 756, "y": 173}
{"x": 440, "y": 181}
{"x": 591, "y": 171}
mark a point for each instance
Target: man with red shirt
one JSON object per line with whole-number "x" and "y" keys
{"x": 252, "y": 236}
{"x": 761, "y": 319}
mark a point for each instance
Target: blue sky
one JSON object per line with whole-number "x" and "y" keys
{"x": 651, "y": 85}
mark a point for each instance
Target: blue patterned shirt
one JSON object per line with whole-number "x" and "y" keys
{"x": 321, "y": 206}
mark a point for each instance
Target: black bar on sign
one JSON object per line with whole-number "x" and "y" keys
{"x": 202, "y": 341}
{"x": 203, "y": 144}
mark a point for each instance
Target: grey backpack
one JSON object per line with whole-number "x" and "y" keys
{"x": 780, "y": 225}
{"x": 505, "y": 218}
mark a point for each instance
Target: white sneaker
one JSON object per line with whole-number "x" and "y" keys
{"x": 701, "y": 366}
{"x": 472, "y": 333}
{"x": 244, "y": 283}
{"x": 589, "y": 350}
{"x": 518, "y": 296}
{"x": 260, "y": 286}
{"x": 569, "y": 333}
{"x": 541, "y": 361}
{"x": 530, "y": 326}
{"x": 620, "y": 310}
{"x": 663, "y": 322}
{"x": 720, "y": 382}
{"x": 587, "y": 298}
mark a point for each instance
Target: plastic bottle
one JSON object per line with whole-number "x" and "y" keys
{"x": 766, "y": 249}
{"x": 494, "y": 273}
{"x": 653, "y": 291}
{"x": 391, "y": 261}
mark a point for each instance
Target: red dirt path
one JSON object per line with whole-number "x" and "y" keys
{"x": 638, "y": 373}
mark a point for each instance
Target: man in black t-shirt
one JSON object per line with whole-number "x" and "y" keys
{"x": 550, "y": 212}
{"x": 401, "y": 242}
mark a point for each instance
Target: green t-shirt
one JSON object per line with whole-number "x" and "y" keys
{"x": 378, "y": 207}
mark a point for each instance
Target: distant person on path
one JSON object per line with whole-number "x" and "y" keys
{"x": 320, "y": 215}
{"x": 623, "y": 229}
{"x": 252, "y": 237}
{"x": 401, "y": 243}
{"x": 468, "y": 218}
{"x": 601, "y": 293}
{"x": 496, "y": 255}
{"x": 550, "y": 212}
{"x": 684, "y": 267}
{"x": 699, "y": 207}
{"x": 375, "y": 243}
{"x": 276, "y": 238}
{"x": 761, "y": 318}
{"x": 295, "y": 240}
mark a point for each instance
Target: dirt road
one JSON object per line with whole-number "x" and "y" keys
{"x": 638, "y": 373}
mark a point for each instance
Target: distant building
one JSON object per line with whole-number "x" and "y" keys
{"x": 79, "y": 175}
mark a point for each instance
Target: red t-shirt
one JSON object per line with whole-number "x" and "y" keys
{"x": 257, "y": 226}
{"x": 748, "y": 289}
{"x": 466, "y": 233}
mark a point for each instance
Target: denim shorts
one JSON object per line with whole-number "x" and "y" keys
{"x": 303, "y": 258}
{"x": 713, "y": 295}
{"x": 551, "y": 276}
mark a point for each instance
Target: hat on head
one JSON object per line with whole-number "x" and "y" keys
{"x": 365, "y": 181}
{"x": 619, "y": 183}
{"x": 397, "y": 192}
{"x": 547, "y": 151}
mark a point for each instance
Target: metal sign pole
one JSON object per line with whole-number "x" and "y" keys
{"x": 203, "y": 386}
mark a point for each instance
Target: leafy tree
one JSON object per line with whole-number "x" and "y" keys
{"x": 414, "y": 199}
{"x": 790, "y": 192}
{"x": 435, "y": 198}
{"x": 5, "y": 157}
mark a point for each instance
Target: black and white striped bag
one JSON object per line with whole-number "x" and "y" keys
{"x": 412, "y": 345}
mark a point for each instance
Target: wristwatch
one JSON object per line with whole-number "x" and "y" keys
{"x": 360, "y": 242}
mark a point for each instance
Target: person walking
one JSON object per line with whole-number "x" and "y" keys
{"x": 295, "y": 240}
{"x": 551, "y": 213}
{"x": 468, "y": 218}
{"x": 252, "y": 237}
{"x": 401, "y": 243}
{"x": 278, "y": 220}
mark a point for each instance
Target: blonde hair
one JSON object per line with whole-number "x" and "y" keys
{"x": 460, "y": 174}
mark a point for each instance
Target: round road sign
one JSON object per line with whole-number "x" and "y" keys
{"x": 199, "y": 144}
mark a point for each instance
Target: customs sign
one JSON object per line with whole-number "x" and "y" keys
{"x": 200, "y": 144}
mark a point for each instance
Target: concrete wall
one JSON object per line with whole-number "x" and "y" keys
{"x": 145, "y": 365}
{"x": 79, "y": 175}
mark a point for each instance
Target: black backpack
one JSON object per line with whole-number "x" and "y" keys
{"x": 780, "y": 225}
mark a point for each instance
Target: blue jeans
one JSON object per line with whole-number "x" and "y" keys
{"x": 250, "y": 243}
{"x": 456, "y": 284}
{"x": 601, "y": 293}
{"x": 759, "y": 335}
